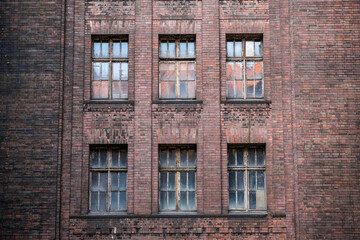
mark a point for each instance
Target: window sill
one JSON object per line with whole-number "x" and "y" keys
{"x": 246, "y": 101}
{"x": 177, "y": 101}
{"x": 108, "y": 102}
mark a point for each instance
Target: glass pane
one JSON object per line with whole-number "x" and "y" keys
{"x": 123, "y": 181}
{"x": 171, "y": 183}
{"x": 183, "y": 71}
{"x": 103, "y": 202}
{"x": 191, "y": 181}
{"x": 258, "y": 70}
{"x": 183, "y": 200}
{"x": 229, "y": 70}
{"x": 240, "y": 156}
{"x": 115, "y": 158}
{"x": 94, "y": 182}
{"x": 251, "y": 152}
{"x": 250, "y": 70}
{"x": 114, "y": 181}
{"x": 94, "y": 201}
{"x": 123, "y": 158}
{"x": 230, "y": 88}
{"x": 183, "y": 89}
{"x": 103, "y": 181}
{"x": 171, "y": 200}
{"x": 191, "y": 71}
{"x": 191, "y": 89}
{"x": 164, "y": 92}
{"x": 171, "y": 73}
{"x": 238, "y": 70}
{"x": 163, "y": 68}
{"x": 191, "y": 158}
{"x": 240, "y": 180}
{"x": 172, "y": 158}
{"x": 95, "y": 158}
{"x": 191, "y": 196}
{"x": 95, "y": 89}
{"x": 116, "y": 89}
{"x": 163, "y": 159}
{"x": 122, "y": 203}
{"x": 114, "y": 201}
{"x": 240, "y": 199}
{"x": 116, "y": 71}
{"x": 105, "y": 49}
{"x": 183, "y": 185}
{"x": 163, "y": 49}
{"x": 163, "y": 181}
{"x": 124, "y": 89}
{"x": 260, "y": 180}
{"x": 191, "y": 49}
{"x": 231, "y": 157}
{"x": 124, "y": 49}
{"x": 163, "y": 200}
{"x": 258, "y": 88}
{"x": 183, "y": 158}
{"x": 258, "y": 49}
{"x": 172, "y": 93}
{"x": 238, "y": 89}
{"x": 238, "y": 49}
{"x": 232, "y": 180}
{"x": 104, "y": 89}
{"x": 116, "y": 49}
{"x": 252, "y": 180}
{"x": 232, "y": 199}
{"x": 171, "y": 49}
{"x": 230, "y": 49}
{"x": 183, "y": 49}
{"x": 103, "y": 160}
{"x": 104, "y": 71}
{"x": 249, "y": 48}
{"x": 250, "y": 88}
{"x": 96, "y": 71}
{"x": 252, "y": 200}
{"x": 124, "y": 71}
{"x": 97, "y": 49}
{"x": 260, "y": 157}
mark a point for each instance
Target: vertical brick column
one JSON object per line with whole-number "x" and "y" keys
{"x": 143, "y": 78}
{"x": 211, "y": 114}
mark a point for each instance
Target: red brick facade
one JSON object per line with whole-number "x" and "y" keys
{"x": 308, "y": 120}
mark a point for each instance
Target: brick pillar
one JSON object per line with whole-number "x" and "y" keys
{"x": 211, "y": 115}
{"x": 143, "y": 78}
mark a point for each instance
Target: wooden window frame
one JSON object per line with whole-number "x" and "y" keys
{"x": 177, "y": 169}
{"x": 108, "y": 169}
{"x": 177, "y": 60}
{"x": 110, "y": 60}
{"x": 243, "y": 59}
{"x": 246, "y": 168}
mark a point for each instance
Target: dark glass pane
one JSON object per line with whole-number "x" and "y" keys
{"x": 114, "y": 181}
{"x": 258, "y": 88}
{"x": 191, "y": 158}
{"x": 123, "y": 158}
{"x": 115, "y": 158}
{"x": 183, "y": 49}
{"x": 240, "y": 199}
{"x": 230, "y": 49}
{"x": 252, "y": 200}
{"x": 232, "y": 199}
{"x": 116, "y": 49}
{"x": 114, "y": 201}
{"x": 232, "y": 180}
{"x": 240, "y": 180}
{"x": 171, "y": 200}
{"x": 260, "y": 180}
{"x": 103, "y": 156}
{"x": 105, "y": 49}
{"x": 238, "y": 49}
{"x": 94, "y": 201}
{"x": 252, "y": 180}
{"x": 163, "y": 181}
{"x": 250, "y": 88}
{"x": 183, "y": 185}
{"x": 124, "y": 49}
{"x": 231, "y": 157}
{"x": 172, "y": 158}
{"x": 163, "y": 49}
{"x": 251, "y": 152}
{"x": 258, "y": 52}
{"x": 103, "y": 181}
{"x": 122, "y": 205}
{"x": 191, "y": 49}
{"x": 191, "y": 199}
{"x": 183, "y": 89}
{"x": 97, "y": 49}
{"x": 240, "y": 157}
{"x": 124, "y": 71}
{"x": 95, "y": 158}
{"x": 260, "y": 157}
{"x": 183, "y": 158}
{"x": 123, "y": 179}
{"x": 163, "y": 200}
{"x": 171, "y": 183}
{"x": 163, "y": 159}
{"x": 171, "y": 49}
{"x": 191, "y": 181}
{"x": 183, "y": 200}
{"x": 103, "y": 202}
{"x": 96, "y": 70}
{"x": 94, "y": 181}
{"x": 249, "y": 48}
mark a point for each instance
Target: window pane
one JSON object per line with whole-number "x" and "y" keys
{"x": 105, "y": 49}
{"x": 95, "y": 158}
{"x": 103, "y": 156}
{"x": 230, "y": 89}
{"x": 232, "y": 180}
{"x": 163, "y": 49}
{"x": 116, "y": 71}
{"x": 163, "y": 71}
{"x": 115, "y": 158}
{"x": 258, "y": 70}
{"x": 114, "y": 200}
{"x": 172, "y": 93}
{"x": 183, "y": 158}
{"x": 124, "y": 49}
{"x": 231, "y": 157}
{"x": 240, "y": 180}
{"x": 240, "y": 199}
{"x": 116, "y": 89}
{"x": 191, "y": 158}
{"x": 240, "y": 156}
{"x": 104, "y": 71}
{"x": 164, "y": 90}
{"x": 114, "y": 181}
{"x": 230, "y": 49}
{"x": 171, "y": 183}
{"x": 191, "y": 181}
{"x": 238, "y": 49}
{"x": 163, "y": 181}
{"x": 172, "y": 158}
{"x": 238, "y": 70}
{"x": 103, "y": 202}
{"x": 249, "y": 48}
{"x": 97, "y": 49}
{"x": 123, "y": 181}
{"x": 260, "y": 180}
{"x": 191, "y": 71}
{"x": 171, "y": 73}
{"x": 251, "y": 152}
{"x": 229, "y": 70}
{"x": 103, "y": 181}
{"x": 163, "y": 200}
{"x": 94, "y": 201}
{"x": 252, "y": 200}
{"x": 238, "y": 89}
{"x": 260, "y": 157}
{"x": 163, "y": 159}
{"x": 183, "y": 200}
{"x": 252, "y": 180}
{"x": 183, "y": 185}
{"x": 250, "y": 70}
{"x": 94, "y": 181}
{"x": 183, "y": 71}
{"x": 250, "y": 88}
{"x": 191, "y": 199}
{"x": 171, "y": 49}
{"x": 183, "y": 49}
{"x": 124, "y": 89}
{"x": 122, "y": 202}
{"x": 232, "y": 199}
{"x": 95, "y": 89}
{"x": 96, "y": 70}
{"x": 183, "y": 89}
{"x": 191, "y": 89}
{"x": 171, "y": 200}
{"x": 258, "y": 49}
{"x": 123, "y": 158}
{"x": 116, "y": 49}
{"x": 191, "y": 49}
{"x": 104, "y": 89}
{"x": 124, "y": 71}
{"x": 258, "y": 88}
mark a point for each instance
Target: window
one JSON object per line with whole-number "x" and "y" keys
{"x": 177, "y": 179}
{"x": 246, "y": 166}
{"x": 109, "y": 68}
{"x": 177, "y": 69}
{"x": 108, "y": 179}
{"x": 244, "y": 69}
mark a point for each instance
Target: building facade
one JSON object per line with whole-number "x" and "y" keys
{"x": 180, "y": 119}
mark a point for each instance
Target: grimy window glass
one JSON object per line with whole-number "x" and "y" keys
{"x": 110, "y": 59}
{"x": 177, "y": 68}
{"x": 244, "y": 69}
{"x": 108, "y": 179}
{"x": 177, "y": 179}
{"x": 247, "y": 188}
